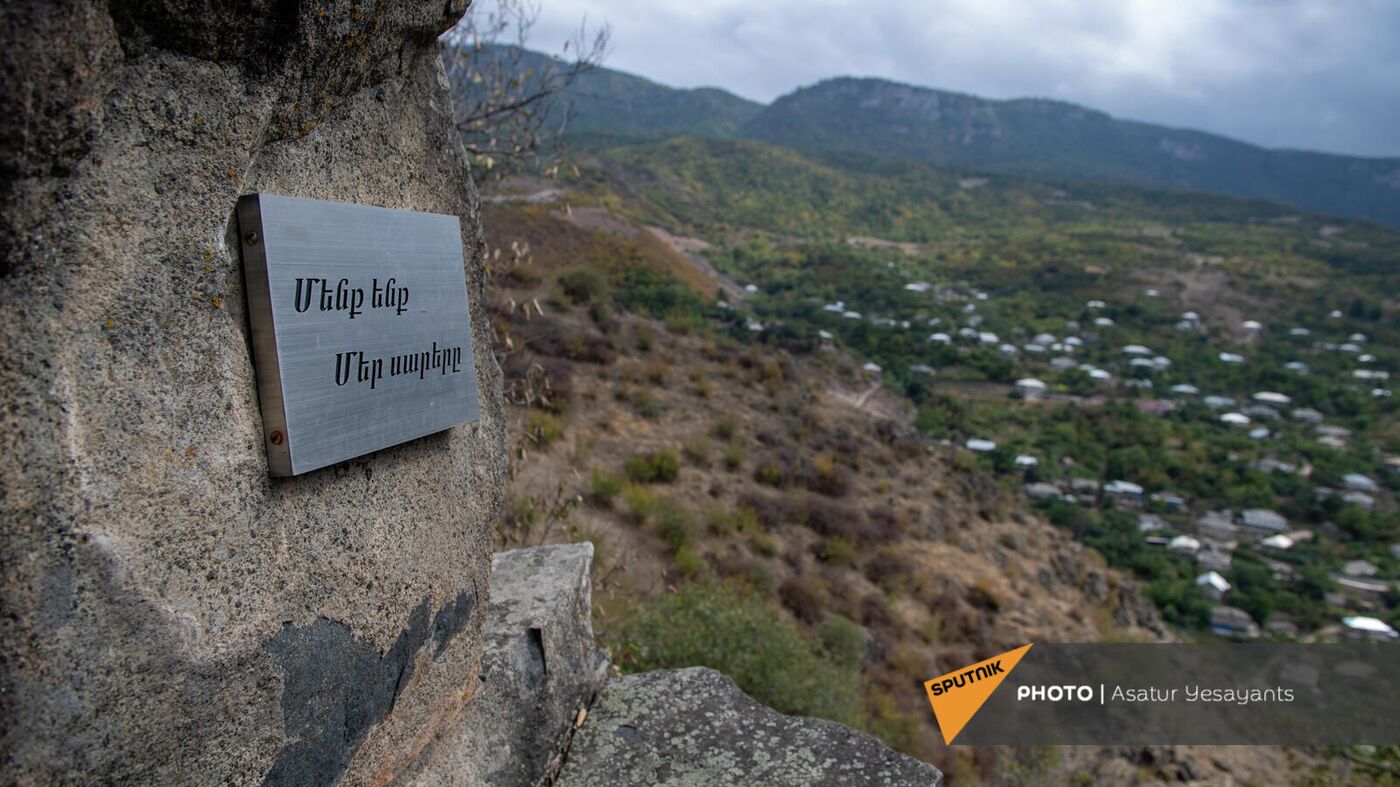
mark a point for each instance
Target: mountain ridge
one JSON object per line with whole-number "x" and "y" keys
{"x": 1034, "y": 136}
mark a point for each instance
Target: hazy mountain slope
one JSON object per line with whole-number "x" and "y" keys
{"x": 618, "y": 104}
{"x": 1066, "y": 141}
{"x": 878, "y": 118}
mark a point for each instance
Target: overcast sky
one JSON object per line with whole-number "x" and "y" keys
{"x": 1314, "y": 74}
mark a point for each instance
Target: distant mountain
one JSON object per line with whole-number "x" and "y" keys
{"x": 1049, "y": 139}
{"x": 620, "y": 104}
{"x": 1060, "y": 140}
{"x": 607, "y": 100}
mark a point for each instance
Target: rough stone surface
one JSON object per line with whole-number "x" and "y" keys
{"x": 695, "y": 727}
{"x": 172, "y": 614}
{"x": 540, "y": 667}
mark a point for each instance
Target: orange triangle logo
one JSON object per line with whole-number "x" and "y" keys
{"x": 959, "y": 694}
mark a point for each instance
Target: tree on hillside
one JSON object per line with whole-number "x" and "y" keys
{"x": 507, "y": 101}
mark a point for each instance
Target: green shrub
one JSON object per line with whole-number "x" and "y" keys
{"x": 768, "y": 473}
{"x": 727, "y": 427}
{"x": 647, "y": 405}
{"x": 657, "y": 294}
{"x": 641, "y": 503}
{"x": 839, "y": 551}
{"x": 660, "y": 467}
{"x": 844, "y": 641}
{"x": 762, "y": 579}
{"x": 603, "y": 486}
{"x": 697, "y": 452}
{"x": 764, "y": 544}
{"x": 689, "y": 562}
{"x": 741, "y": 519}
{"x": 746, "y": 638}
{"x": 542, "y": 429}
{"x": 673, "y": 524}
{"x": 965, "y": 460}
{"x": 682, "y": 323}
{"x": 583, "y": 285}
{"x": 734, "y": 455}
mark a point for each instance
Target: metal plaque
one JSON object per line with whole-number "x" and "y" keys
{"x": 361, "y": 327}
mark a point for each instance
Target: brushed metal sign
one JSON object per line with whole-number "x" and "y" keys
{"x": 361, "y": 327}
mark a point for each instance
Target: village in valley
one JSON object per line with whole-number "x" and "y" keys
{"x": 1235, "y": 478}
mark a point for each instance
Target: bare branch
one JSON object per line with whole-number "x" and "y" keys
{"x": 510, "y": 103}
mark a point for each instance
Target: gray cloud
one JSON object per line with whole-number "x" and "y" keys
{"x": 1314, "y": 74}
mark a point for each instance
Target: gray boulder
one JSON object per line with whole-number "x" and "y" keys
{"x": 541, "y": 668}
{"x": 695, "y": 727}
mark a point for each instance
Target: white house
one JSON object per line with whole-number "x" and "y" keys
{"x": 1235, "y": 419}
{"x": 1217, "y": 402}
{"x": 1278, "y": 541}
{"x": 1272, "y": 397}
{"x": 1213, "y": 585}
{"x": 1184, "y": 545}
{"x": 980, "y": 445}
{"x": 1263, "y": 519}
{"x": 1307, "y": 415}
{"x": 1297, "y": 367}
{"x": 1365, "y": 627}
{"x": 1359, "y": 568}
{"x": 1136, "y": 349}
{"x": 1122, "y": 488}
{"x": 1185, "y": 389}
{"x": 940, "y": 338}
{"x": 1360, "y": 483}
{"x": 1103, "y": 322}
{"x": 1253, "y": 326}
{"x": 1231, "y": 358}
{"x": 1026, "y": 460}
{"x": 1233, "y": 622}
{"x": 872, "y": 368}
{"x": 1030, "y": 387}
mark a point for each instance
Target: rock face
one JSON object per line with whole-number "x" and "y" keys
{"x": 540, "y": 668}
{"x": 172, "y": 614}
{"x": 695, "y": 727}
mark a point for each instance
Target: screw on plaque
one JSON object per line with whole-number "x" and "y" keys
{"x": 252, "y": 238}
{"x": 276, "y": 438}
